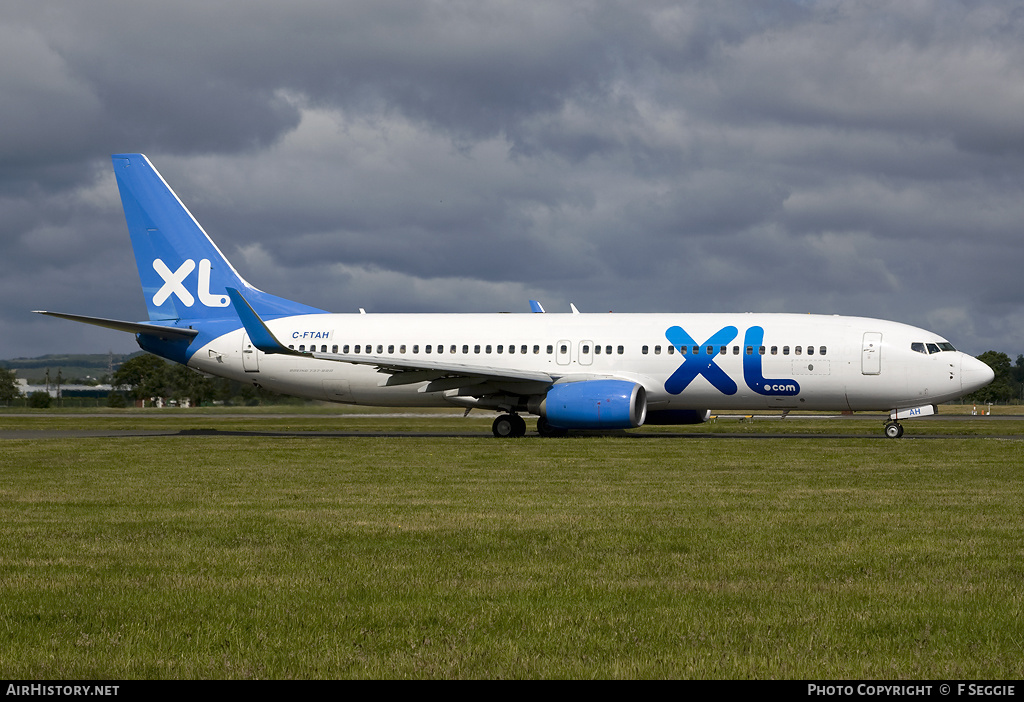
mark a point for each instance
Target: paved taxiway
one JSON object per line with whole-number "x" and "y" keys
{"x": 479, "y": 430}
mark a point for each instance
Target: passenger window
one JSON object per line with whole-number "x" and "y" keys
{"x": 476, "y": 348}
{"x": 608, "y": 350}
{"x": 323, "y": 348}
{"x": 643, "y": 350}
{"x": 357, "y": 348}
{"x": 797, "y": 350}
{"x": 380, "y": 348}
{"x": 657, "y": 350}
{"x": 621, "y": 350}
{"x": 452, "y": 349}
{"x": 522, "y": 349}
{"x": 344, "y": 349}
{"x": 696, "y": 350}
{"x": 810, "y": 350}
{"x": 586, "y": 348}
{"x": 597, "y": 350}
{"x": 670, "y": 350}
{"x": 465, "y": 348}
{"x": 785, "y": 350}
{"x": 536, "y": 348}
{"x": 724, "y": 350}
{"x": 761, "y": 350}
{"x": 302, "y": 347}
{"x": 487, "y": 349}
{"x": 401, "y": 349}
{"x": 563, "y": 348}
{"x": 682, "y": 349}
{"x": 821, "y": 351}
{"x": 735, "y": 350}
{"x": 775, "y": 350}
{"x": 391, "y": 348}
{"x": 750, "y": 351}
{"x": 551, "y": 349}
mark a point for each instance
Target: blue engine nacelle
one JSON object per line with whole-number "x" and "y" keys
{"x": 678, "y": 416}
{"x": 594, "y": 404}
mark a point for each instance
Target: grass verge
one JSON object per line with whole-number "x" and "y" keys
{"x": 313, "y": 557}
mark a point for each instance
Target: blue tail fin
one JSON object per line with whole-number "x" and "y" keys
{"x": 184, "y": 275}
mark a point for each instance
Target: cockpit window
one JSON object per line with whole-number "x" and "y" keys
{"x": 921, "y": 347}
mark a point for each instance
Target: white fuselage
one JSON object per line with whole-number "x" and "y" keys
{"x": 813, "y": 362}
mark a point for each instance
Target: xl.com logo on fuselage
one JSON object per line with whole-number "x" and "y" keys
{"x": 700, "y": 361}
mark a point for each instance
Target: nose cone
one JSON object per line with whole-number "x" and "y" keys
{"x": 974, "y": 374}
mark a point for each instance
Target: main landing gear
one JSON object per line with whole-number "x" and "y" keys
{"x": 893, "y": 429}
{"x": 508, "y": 425}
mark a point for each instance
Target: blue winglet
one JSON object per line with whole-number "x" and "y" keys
{"x": 535, "y": 306}
{"x": 260, "y": 336}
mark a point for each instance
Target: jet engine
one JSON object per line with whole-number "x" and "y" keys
{"x": 593, "y": 404}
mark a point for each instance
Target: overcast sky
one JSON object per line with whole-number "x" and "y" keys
{"x": 861, "y": 158}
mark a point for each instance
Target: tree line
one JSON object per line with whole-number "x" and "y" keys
{"x": 1008, "y": 385}
{"x": 147, "y": 376}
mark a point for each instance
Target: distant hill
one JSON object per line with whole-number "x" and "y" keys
{"x": 77, "y": 367}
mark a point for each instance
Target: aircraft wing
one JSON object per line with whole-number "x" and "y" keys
{"x": 404, "y": 370}
{"x": 438, "y": 369}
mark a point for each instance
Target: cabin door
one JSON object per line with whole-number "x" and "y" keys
{"x": 871, "y": 354}
{"x": 250, "y": 356}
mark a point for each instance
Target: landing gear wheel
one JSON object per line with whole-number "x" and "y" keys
{"x": 508, "y": 425}
{"x": 893, "y": 430}
{"x": 520, "y": 425}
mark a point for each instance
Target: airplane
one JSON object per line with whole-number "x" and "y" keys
{"x": 574, "y": 371}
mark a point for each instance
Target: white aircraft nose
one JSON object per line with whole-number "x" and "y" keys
{"x": 974, "y": 374}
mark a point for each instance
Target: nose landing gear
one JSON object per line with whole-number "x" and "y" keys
{"x": 893, "y": 429}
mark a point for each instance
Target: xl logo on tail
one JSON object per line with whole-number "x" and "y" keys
{"x": 174, "y": 284}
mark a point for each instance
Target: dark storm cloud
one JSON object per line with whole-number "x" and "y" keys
{"x": 860, "y": 158}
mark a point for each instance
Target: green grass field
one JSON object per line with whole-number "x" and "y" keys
{"x": 242, "y": 554}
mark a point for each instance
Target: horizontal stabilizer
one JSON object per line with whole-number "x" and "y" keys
{"x": 157, "y": 330}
